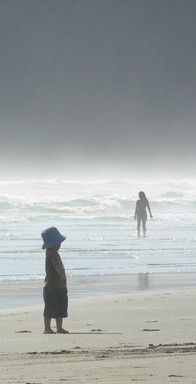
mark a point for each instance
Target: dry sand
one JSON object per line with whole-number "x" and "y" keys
{"x": 144, "y": 337}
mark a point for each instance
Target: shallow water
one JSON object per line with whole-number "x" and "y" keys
{"x": 97, "y": 219}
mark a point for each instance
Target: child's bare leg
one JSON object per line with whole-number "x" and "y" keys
{"x": 59, "y": 325}
{"x": 47, "y": 324}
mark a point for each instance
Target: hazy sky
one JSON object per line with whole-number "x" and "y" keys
{"x": 97, "y": 88}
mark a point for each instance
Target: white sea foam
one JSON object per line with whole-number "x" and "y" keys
{"x": 98, "y": 221}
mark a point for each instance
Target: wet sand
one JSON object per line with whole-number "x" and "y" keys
{"x": 27, "y": 292}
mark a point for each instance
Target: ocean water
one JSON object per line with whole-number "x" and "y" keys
{"x": 97, "y": 219}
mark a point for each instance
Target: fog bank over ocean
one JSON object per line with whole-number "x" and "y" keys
{"x": 97, "y": 89}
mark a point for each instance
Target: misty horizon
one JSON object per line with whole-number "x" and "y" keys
{"x": 97, "y": 89}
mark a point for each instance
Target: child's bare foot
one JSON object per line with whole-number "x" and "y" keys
{"x": 61, "y": 330}
{"x": 49, "y": 331}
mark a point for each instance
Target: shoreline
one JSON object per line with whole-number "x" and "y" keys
{"x": 21, "y": 293}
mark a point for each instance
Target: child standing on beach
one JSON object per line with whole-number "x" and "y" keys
{"x": 55, "y": 283}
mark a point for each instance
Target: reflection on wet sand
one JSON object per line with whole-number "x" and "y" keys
{"x": 143, "y": 281}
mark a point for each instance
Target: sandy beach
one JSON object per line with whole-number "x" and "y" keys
{"x": 145, "y": 336}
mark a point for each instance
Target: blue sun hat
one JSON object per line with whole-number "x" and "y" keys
{"x": 51, "y": 237}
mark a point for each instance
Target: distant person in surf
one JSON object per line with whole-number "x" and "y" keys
{"x": 141, "y": 213}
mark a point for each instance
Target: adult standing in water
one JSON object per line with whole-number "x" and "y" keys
{"x": 141, "y": 213}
